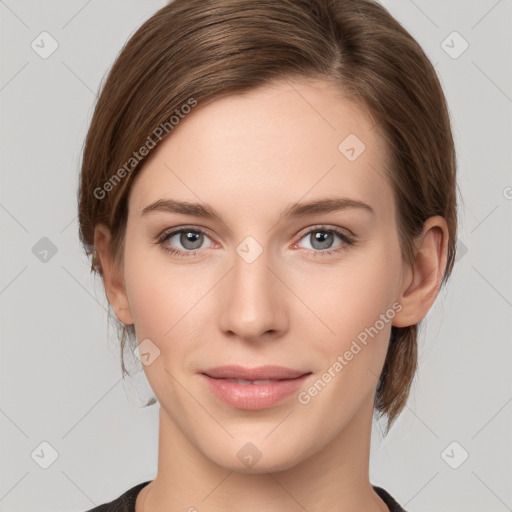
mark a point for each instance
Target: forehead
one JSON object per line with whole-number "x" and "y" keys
{"x": 274, "y": 144}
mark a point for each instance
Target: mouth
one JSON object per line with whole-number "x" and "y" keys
{"x": 243, "y": 382}
{"x": 253, "y": 388}
{"x": 260, "y": 373}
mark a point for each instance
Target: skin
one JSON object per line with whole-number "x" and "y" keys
{"x": 249, "y": 156}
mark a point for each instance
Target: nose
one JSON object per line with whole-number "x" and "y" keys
{"x": 253, "y": 302}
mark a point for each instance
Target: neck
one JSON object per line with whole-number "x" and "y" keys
{"x": 335, "y": 478}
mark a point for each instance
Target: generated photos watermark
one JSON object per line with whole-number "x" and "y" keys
{"x": 152, "y": 140}
{"x": 304, "y": 397}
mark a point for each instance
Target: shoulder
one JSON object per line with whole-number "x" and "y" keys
{"x": 124, "y": 503}
{"x": 388, "y": 499}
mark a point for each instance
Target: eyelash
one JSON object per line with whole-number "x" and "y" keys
{"x": 347, "y": 240}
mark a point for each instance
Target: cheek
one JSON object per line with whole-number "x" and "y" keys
{"x": 164, "y": 301}
{"x": 351, "y": 296}
{"x": 350, "y": 361}
{"x": 171, "y": 307}
{"x": 151, "y": 305}
{"x": 159, "y": 292}
{"x": 357, "y": 303}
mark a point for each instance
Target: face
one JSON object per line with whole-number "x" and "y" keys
{"x": 267, "y": 281}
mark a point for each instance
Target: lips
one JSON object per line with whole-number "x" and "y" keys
{"x": 243, "y": 382}
{"x": 253, "y": 388}
{"x": 260, "y": 373}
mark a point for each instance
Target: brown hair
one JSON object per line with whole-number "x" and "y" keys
{"x": 196, "y": 51}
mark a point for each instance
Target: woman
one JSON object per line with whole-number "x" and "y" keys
{"x": 268, "y": 193}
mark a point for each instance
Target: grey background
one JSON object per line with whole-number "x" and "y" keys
{"x": 60, "y": 376}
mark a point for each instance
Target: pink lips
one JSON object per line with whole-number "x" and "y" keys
{"x": 253, "y": 395}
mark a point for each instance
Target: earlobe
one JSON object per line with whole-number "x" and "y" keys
{"x": 424, "y": 278}
{"x": 112, "y": 276}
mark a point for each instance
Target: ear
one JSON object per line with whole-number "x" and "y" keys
{"x": 422, "y": 281}
{"x": 112, "y": 276}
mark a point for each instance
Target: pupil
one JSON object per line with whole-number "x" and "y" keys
{"x": 323, "y": 238}
{"x": 189, "y": 238}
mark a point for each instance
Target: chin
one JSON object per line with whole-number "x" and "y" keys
{"x": 254, "y": 457}
{"x": 271, "y": 464}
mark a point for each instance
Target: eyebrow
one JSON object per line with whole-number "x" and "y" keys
{"x": 293, "y": 210}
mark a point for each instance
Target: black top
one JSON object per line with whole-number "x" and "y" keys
{"x": 126, "y": 502}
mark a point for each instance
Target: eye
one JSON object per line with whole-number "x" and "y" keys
{"x": 321, "y": 240}
{"x": 190, "y": 239}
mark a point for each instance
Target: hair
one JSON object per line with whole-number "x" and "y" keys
{"x": 197, "y": 51}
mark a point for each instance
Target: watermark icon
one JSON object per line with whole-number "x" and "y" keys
{"x": 44, "y": 249}
{"x": 158, "y": 133}
{"x": 507, "y": 192}
{"x": 44, "y": 455}
{"x": 249, "y": 249}
{"x": 304, "y": 397}
{"x": 44, "y": 45}
{"x": 454, "y": 45}
{"x": 351, "y": 147}
{"x": 454, "y": 455}
{"x": 249, "y": 454}
{"x": 461, "y": 249}
{"x": 146, "y": 352}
